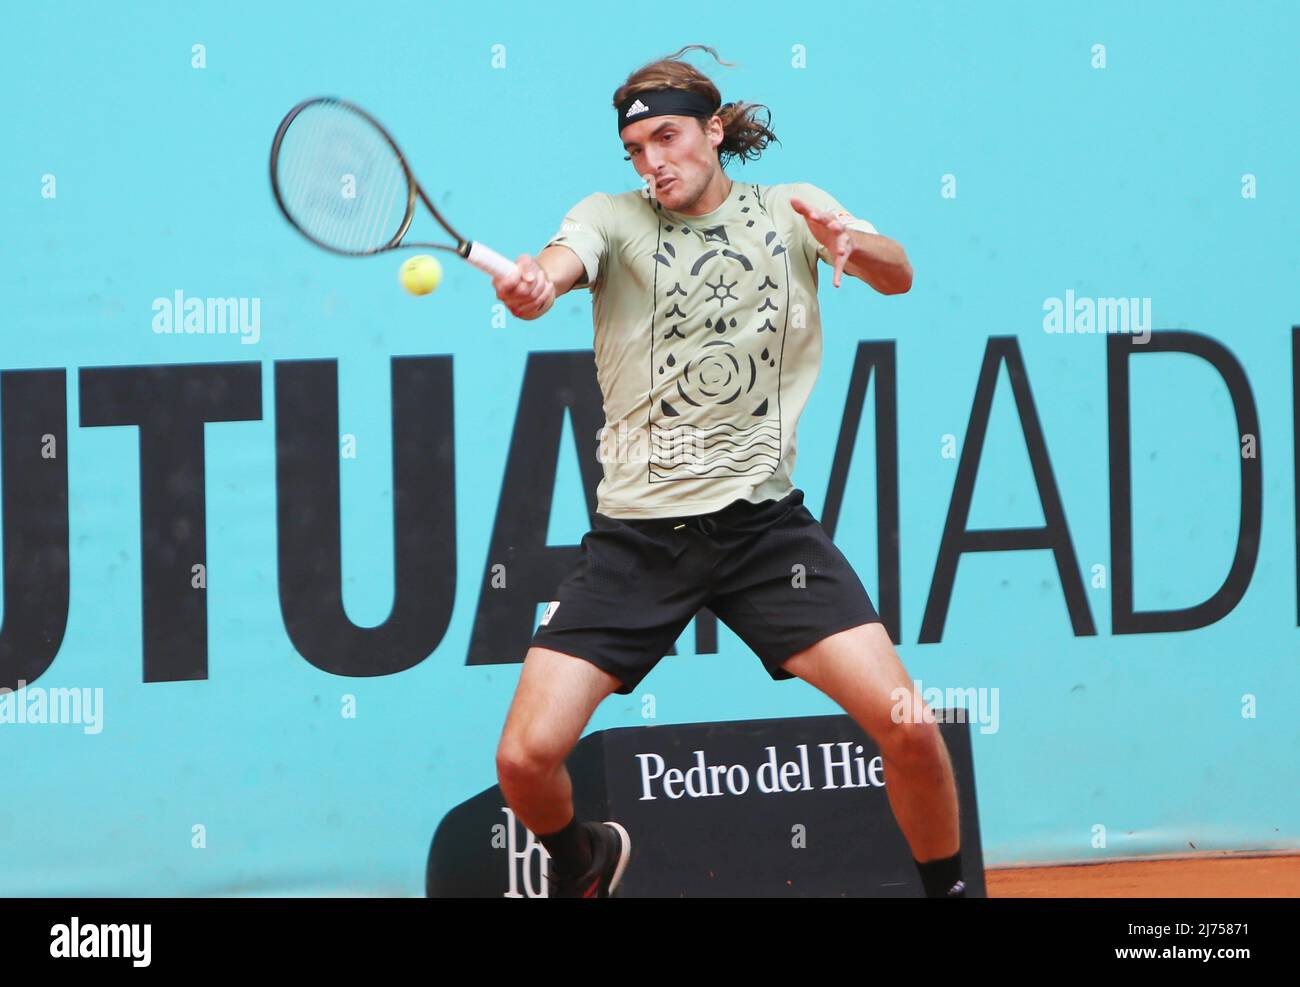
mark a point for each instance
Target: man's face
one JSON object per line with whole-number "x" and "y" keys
{"x": 674, "y": 157}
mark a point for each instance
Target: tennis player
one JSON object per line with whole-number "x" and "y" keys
{"x": 707, "y": 346}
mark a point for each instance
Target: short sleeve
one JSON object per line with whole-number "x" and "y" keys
{"x": 823, "y": 200}
{"x": 586, "y": 231}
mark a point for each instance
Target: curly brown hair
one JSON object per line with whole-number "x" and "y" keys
{"x": 743, "y": 136}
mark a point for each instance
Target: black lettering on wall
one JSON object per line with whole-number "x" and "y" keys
{"x": 1054, "y": 534}
{"x": 1124, "y": 619}
{"x": 33, "y": 404}
{"x": 170, "y": 405}
{"x": 309, "y": 524}
{"x": 877, "y": 357}
{"x": 553, "y": 382}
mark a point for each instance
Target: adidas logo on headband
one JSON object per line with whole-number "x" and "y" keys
{"x": 665, "y": 102}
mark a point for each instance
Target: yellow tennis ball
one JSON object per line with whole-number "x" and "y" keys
{"x": 421, "y": 274}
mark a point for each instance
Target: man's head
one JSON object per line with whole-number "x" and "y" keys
{"x": 676, "y": 156}
{"x": 680, "y": 135}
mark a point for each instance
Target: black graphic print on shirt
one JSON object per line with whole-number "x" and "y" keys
{"x": 721, "y": 298}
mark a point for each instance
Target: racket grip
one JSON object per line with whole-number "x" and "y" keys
{"x": 488, "y": 260}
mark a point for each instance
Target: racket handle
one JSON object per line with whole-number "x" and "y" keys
{"x": 488, "y": 260}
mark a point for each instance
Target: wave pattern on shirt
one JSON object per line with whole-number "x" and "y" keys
{"x": 685, "y": 451}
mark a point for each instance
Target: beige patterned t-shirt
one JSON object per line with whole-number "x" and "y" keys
{"x": 707, "y": 343}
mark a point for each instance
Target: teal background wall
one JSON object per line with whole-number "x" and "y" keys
{"x": 1118, "y": 181}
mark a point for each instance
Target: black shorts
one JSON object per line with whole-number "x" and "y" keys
{"x": 768, "y": 571}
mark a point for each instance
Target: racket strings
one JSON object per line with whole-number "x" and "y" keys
{"x": 340, "y": 180}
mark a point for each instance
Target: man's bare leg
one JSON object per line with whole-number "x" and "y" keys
{"x": 859, "y": 669}
{"x": 553, "y": 703}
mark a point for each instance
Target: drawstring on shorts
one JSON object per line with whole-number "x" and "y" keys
{"x": 704, "y": 524}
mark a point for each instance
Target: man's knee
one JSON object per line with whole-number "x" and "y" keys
{"x": 912, "y": 744}
{"x": 524, "y": 758}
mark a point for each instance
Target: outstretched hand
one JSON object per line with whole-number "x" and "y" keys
{"x": 830, "y": 233}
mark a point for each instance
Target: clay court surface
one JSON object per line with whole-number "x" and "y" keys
{"x": 1207, "y": 876}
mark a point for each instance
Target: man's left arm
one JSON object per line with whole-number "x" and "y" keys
{"x": 865, "y": 254}
{"x": 880, "y": 262}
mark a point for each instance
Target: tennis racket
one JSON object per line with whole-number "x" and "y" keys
{"x": 342, "y": 182}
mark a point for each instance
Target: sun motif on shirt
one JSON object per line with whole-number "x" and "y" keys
{"x": 721, "y": 291}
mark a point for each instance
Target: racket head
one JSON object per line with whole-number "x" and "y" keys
{"x": 340, "y": 179}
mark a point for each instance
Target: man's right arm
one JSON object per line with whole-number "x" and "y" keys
{"x": 531, "y": 290}
{"x": 562, "y": 266}
{"x": 572, "y": 258}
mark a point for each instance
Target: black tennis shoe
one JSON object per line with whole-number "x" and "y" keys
{"x": 610, "y": 848}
